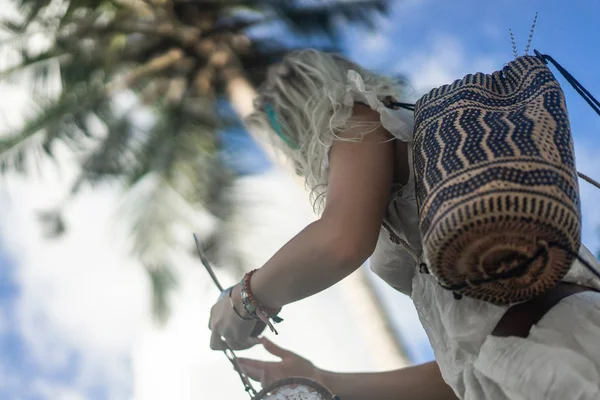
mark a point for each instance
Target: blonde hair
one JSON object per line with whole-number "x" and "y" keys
{"x": 305, "y": 94}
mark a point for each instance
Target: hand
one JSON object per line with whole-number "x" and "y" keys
{"x": 291, "y": 365}
{"x": 226, "y": 324}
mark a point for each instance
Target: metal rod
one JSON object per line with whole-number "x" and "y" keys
{"x": 207, "y": 265}
{"x": 229, "y": 353}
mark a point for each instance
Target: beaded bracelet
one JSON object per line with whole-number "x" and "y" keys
{"x": 253, "y": 308}
{"x": 235, "y": 309}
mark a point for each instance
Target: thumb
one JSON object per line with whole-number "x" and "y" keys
{"x": 274, "y": 349}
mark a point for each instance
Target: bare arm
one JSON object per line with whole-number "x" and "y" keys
{"x": 423, "y": 381}
{"x": 419, "y": 382}
{"x": 360, "y": 178}
{"x": 359, "y": 184}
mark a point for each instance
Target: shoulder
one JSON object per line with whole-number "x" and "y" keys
{"x": 363, "y": 112}
{"x": 364, "y": 126}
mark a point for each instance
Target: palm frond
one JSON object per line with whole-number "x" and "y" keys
{"x": 52, "y": 222}
{"x": 265, "y": 52}
{"x": 31, "y": 9}
{"x": 153, "y": 209}
{"x": 163, "y": 281}
{"x": 12, "y": 27}
{"x": 165, "y": 54}
{"x": 41, "y": 61}
{"x": 321, "y": 18}
{"x": 110, "y": 159}
{"x": 158, "y": 64}
{"x": 37, "y": 133}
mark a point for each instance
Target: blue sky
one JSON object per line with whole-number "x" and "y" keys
{"x": 23, "y": 375}
{"x": 568, "y": 33}
{"x": 433, "y": 42}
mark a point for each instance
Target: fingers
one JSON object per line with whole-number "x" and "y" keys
{"x": 227, "y": 326}
{"x": 274, "y": 349}
{"x": 260, "y": 371}
{"x": 254, "y": 369}
{"x": 250, "y": 362}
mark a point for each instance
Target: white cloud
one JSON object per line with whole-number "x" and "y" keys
{"x": 492, "y": 31}
{"x": 11, "y": 115}
{"x": 376, "y": 43}
{"x": 82, "y": 293}
{"x": 47, "y": 390}
{"x": 176, "y": 362}
{"x": 446, "y": 59}
{"x": 79, "y": 294}
{"x": 9, "y": 380}
{"x": 443, "y": 61}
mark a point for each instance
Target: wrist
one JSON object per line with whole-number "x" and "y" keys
{"x": 259, "y": 289}
{"x": 237, "y": 304}
{"x": 252, "y": 303}
{"x": 254, "y": 308}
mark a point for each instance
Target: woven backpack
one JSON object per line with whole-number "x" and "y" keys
{"x": 496, "y": 183}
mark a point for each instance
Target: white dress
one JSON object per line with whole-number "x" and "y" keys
{"x": 559, "y": 360}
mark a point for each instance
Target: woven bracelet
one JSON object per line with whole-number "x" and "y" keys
{"x": 253, "y": 308}
{"x": 235, "y": 309}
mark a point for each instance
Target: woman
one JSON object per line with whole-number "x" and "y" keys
{"x": 341, "y": 127}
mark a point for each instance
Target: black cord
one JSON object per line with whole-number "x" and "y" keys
{"x": 407, "y": 106}
{"x": 522, "y": 268}
{"x": 516, "y": 272}
{"x": 581, "y": 260}
{"x": 583, "y": 92}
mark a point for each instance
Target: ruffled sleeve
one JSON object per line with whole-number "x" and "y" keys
{"x": 400, "y": 123}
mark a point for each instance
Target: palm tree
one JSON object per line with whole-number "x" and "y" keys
{"x": 186, "y": 61}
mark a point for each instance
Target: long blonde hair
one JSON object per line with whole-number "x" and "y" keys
{"x": 305, "y": 95}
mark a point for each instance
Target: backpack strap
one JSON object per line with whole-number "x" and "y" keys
{"x": 518, "y": 319}
{"x": 583, "y": 92}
